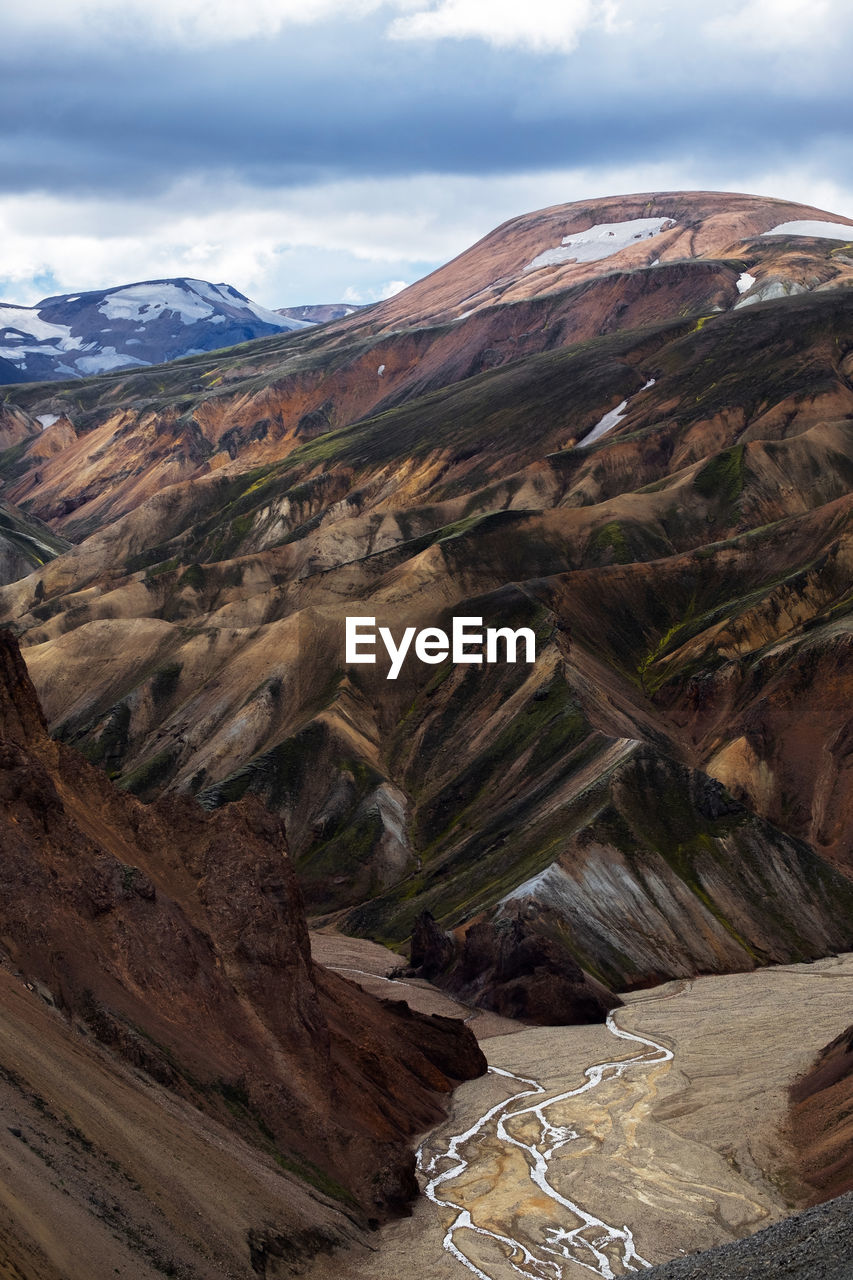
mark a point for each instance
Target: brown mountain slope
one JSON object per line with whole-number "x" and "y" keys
{"x": 686, "y": 574}
{"x": 696, "y": 225}
{"x": 136, "y": 433}
{"x": 820, "y": 1124}
{"x": 178, "y": 941}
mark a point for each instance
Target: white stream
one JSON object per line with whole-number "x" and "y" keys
{"x": 584, "y": 1244}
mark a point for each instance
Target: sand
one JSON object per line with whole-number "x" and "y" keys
{"x": 686, "y": 1154}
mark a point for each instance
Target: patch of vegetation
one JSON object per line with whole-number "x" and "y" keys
{"x": 723, "y": 476}
{"x": 12, "y": 460}
{"x": 311, "y": 1173}
{"x": 158, "y": 570}
{"x": 108, "y": 749}
{"x": 542, "y": 730}
{"x": 611, "y": 538}
{"x": 192, "y": 576}
{"x": 151, "y": 773}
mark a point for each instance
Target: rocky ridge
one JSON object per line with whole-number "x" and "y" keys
{"x": 176, "y": 941}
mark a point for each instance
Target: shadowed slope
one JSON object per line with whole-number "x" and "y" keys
{"x": 177, "y": 940}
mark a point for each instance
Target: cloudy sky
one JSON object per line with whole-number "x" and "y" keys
{"x": 319, "y": 150}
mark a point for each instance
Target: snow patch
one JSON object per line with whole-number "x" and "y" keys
{"x": 745, "y": 281}
{"x": 108, "y": 358}
{"x": 610, "y": 420}
{"x": 607, "y": 423}
{"x": 600, "y": 241}
{"x": 47, "y": 419}
{"x": 146, "y": 302}
{"x": 769, "y": 291}
{"x": 26, "y": 325}
{"x": 223, "y": 293}
{"x": 381, "y": 370}
{"x": 821, "y": 229}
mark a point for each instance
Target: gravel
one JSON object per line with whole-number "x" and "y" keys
{"x": 816, "y": 1244}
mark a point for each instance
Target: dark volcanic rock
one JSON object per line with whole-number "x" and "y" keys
{"x": 506, "y": 965}
{"x": 814, "y": 1245}
{"x": 433, "y": 949}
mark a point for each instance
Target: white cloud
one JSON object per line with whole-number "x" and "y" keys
{"x": 541, "y": 25}
{"x": 537, "y": 24}
{"x": 265, "y": 242}
{"x": 377, "y": 293}
{"x": 777, "y": 25}
{"x": 745, "y": 27}
{"x": 391, "y": 288}
{"x": 185, "y": 21}
{"x": 353, "y": 241}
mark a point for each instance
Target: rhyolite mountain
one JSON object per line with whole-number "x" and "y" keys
{"x": 626, "y": 424}
{"x": 75, "y": 335}
{"x": 168, "y": 1047}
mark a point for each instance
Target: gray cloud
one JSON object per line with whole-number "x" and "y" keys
{"x": 337, "y": 100}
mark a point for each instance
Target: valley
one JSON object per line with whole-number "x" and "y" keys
{"x": 619, "y": 432}
{"x": 667, "y": 1120}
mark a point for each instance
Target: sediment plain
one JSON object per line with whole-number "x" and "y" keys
{"x": 677, "y": 1153}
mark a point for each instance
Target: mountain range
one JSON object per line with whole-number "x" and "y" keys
{"x": 623, "y": 424}
{"x": 133, "y": 325}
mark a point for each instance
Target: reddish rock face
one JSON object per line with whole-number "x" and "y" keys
{"x": 180, "y": 941}
{"x": 820, "y": 1122}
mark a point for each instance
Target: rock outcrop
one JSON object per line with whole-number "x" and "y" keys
{"x": 177, "y": 940}
{"x": 813, "y": 1245}
{"x": 507, "y": 966}
{"x": 820, "y": 1122}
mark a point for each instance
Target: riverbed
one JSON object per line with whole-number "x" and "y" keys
{"x": 603, "y": 1150}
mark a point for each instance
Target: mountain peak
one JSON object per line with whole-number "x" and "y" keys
{"x": 147, "y": 322}
{"x": 567, "y": 244}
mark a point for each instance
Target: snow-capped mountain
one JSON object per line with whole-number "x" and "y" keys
{"x": 321, "y": 312}
{"x": 75, "y": 335}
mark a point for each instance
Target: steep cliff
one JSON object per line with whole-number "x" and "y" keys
{"x": 820, "y": 1123}
{"x": 177, "y": 941}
